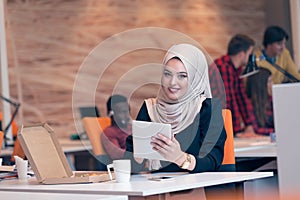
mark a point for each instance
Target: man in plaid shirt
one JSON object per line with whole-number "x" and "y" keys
{"x": 230, "y": 67}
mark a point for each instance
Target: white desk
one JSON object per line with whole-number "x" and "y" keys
{"x": 73, "y": 146}
{"x": 70, "y": 147}
{"x": 254, "y": 147}
{"x": 139, "y": 187}
{"x": 57, "y": 196}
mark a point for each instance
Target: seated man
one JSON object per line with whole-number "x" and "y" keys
{"x": 277, "y": 56}
{"x": 114, "y": 137}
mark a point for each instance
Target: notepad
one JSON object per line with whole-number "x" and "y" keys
{"x": 142, "y": 132}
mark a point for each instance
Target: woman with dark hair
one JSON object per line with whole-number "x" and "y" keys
{"x": 259, "y": 92}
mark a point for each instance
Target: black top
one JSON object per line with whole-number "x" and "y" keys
{"x": 204, "y": 139}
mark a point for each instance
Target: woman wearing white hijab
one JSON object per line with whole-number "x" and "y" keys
{"x": 185, "y": 102}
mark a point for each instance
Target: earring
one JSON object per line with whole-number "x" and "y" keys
{"x": 111, "y": 113}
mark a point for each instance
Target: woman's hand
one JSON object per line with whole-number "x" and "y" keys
{"x": 248, "y": 133}
{"x": 168, "y": 148}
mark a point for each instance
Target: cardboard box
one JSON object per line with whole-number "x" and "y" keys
{"x": 48, "y": 160}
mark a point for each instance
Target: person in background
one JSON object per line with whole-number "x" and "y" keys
{"x": 216, "y": 84}
{"x": 114, "y": 137}
{"x": 184, "y": 101}
{"x": 259, "y": 91}
{"x": 275, "y": 53}
{"x": 230, "y": 67}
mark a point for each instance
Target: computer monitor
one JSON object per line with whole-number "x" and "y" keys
{"x": 86, "y": 111}
{"x": 89, "y": 111}
{"x": 287, "y": 127}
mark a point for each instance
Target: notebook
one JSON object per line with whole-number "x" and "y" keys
{"x": 142, "y": 132}
{"x": 48, "y": 160}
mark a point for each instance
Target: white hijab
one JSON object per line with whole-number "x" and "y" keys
{"x": 182, "y": 112}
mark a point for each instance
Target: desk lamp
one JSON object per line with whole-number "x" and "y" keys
{"x": 251, "y": 68}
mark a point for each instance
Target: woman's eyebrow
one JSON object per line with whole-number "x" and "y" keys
{"x": 175, "y": 71}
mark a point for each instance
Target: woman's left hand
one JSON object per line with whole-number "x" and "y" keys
{"x": 168, "y": 148}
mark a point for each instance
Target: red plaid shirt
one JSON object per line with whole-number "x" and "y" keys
{"x": 236, "y": 97}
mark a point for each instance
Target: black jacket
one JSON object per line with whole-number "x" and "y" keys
{"x": 204, "y": 139}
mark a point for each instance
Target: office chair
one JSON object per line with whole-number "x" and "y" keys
{"x": 1, "y": 139}
{"x": 228, "y": 163}
{"x": 94, "y": 127}
{"x": 228, "y": 191}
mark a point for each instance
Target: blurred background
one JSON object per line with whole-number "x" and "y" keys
{"x": 48, "y": 40}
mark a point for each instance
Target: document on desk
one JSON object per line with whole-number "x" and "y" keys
{"x": 142, "y": 132}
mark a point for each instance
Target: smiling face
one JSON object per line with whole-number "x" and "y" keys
{"x": 276, "y": 48}
{"x": 121, "y": 114}
{"x": 175, "y": 79}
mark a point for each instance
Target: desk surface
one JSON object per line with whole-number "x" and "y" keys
{"x": 244, "y": 147}
{"x": 57, "y": 196}
{"x": 254, "y": 147}
{"x": 68, "y": 146}
{"x": 139, "y": 185}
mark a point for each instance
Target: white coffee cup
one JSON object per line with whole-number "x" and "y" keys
{"x": 122, "y": 170}
{"x": 22, "y": 166}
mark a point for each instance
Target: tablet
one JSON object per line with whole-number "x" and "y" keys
{"x": 142, "y": 132}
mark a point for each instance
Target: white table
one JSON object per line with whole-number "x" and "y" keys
{"x": 139, "y": 187}
{"x": 73, "y": 146}
{"x": 57, "y": 196}
{"x": 254, "y": 147}
{"x": 70, "y": 147}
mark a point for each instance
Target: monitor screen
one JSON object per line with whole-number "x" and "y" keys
{"x": 89, "y": 111}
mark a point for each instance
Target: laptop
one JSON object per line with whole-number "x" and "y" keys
{"x": 141, "y": 134}
{"x": 48, "y": 160}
